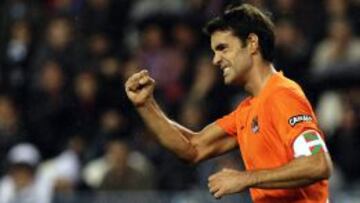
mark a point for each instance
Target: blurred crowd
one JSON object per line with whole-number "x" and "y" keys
{"x": 65, "y": 122}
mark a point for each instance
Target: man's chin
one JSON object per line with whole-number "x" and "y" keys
{"x": 228, "y": 81}
{"x": 231, "y": 81}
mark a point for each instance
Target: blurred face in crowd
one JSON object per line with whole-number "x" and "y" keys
{"x": 99, "y": 4}
{"x": 111, "y": 120}
{"x": 52, "y": 77}
{"x": 22, "y": 175}
{"x": 98, "y": 44}
{"x": 109, "y": 67}
{"x": 232, "y": 56}
{"x": 286, "y": 34}
{"x": 8, "y": 116}
{"x": 58, "y": 33}
{"x": 336, "y": 8}
{"x": 117, "y": 154}
{"x": 152, "y": 38}
{"x": 20, "y": 31}
{"x": 184, "y": 36}
{"x": 340, "y": 30}
{"x": 86, "y": 86}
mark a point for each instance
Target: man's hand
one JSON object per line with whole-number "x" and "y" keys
{"x": 228, "y": 181}
{"x": 139, "y": 88}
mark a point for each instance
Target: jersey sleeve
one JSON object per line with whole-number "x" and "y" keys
{"x": 291, "y": 114}
{"x": 228, "y": 123}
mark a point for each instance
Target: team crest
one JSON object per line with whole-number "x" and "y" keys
{"x": 255, "y": 125}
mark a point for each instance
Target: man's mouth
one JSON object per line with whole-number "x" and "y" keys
{"x": 225, "y": 70}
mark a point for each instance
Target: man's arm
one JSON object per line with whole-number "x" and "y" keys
{"x": 299, "y": 172}
{"x": 186, "y": 144}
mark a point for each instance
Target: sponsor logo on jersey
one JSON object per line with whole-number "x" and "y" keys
{"x": 298, "y": 119}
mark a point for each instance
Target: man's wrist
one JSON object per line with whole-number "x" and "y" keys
{"x": 150, "y": 103}
{"x": 147, "y": 103}
{"x": 253, "y": 178}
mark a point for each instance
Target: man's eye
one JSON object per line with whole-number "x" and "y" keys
{"x": 224, "y": 50}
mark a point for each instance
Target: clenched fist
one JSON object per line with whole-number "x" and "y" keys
{"x": 139, "y": 88}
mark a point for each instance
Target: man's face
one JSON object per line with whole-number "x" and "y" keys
{"x": 231, "y": 56}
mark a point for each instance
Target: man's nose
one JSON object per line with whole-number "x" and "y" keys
{"x": 216, "y": 60}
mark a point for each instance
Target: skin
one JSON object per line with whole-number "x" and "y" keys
{"x": 242, "y": 65}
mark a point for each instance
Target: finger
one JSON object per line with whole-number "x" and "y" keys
{"x": 214, "y": 176}
{"x": 218, "y": 194}
{"x": 213, "y": 190}
{"x": 137, "y": 76}
{"x": 132, "y": 81}
{"x": 145, "y": 80}
{"x": 131, "y": 85}
{"x": 144, "y": 72}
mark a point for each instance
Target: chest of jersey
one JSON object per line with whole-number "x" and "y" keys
{"x": 259, "y": 142}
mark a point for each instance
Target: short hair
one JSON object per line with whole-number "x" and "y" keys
{"x": 243, "y": 20}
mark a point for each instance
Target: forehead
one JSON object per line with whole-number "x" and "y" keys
{"x": 223, "y": 37}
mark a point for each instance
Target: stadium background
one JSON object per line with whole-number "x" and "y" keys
{"x": 62, "y": 68}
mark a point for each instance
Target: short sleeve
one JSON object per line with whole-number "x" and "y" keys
{"x": 290, "y": 114}
{"x": 228, "y": 123}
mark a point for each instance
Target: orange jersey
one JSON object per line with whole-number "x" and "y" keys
{"x": 266, "y": 127}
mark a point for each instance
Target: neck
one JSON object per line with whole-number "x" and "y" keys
{"x": 258, "y": 76}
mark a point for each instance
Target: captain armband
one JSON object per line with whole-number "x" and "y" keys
{"x": 308, "y": 143}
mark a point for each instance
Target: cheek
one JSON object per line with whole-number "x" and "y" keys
{"x": 243, "y": 61}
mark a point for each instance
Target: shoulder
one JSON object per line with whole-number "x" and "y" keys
{"x": 244, "y": 103}
{"x": 285, "y": 88}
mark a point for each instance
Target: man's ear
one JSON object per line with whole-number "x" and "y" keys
{"x": 253, "y": 43}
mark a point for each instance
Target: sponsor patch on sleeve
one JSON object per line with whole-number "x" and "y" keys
{"x": 308, "y": 143}
{"x": 299, "y": 119}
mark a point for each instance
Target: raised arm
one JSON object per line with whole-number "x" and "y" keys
{"x": 186, "y": 144}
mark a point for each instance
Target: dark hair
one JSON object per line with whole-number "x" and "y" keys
{"x": 243, "y": 20}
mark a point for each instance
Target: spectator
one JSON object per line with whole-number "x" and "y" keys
{"x": 159, "y": 58}
{"x": 59, "y": 45}
{"x": 85, "y": 104}
{"x": 340, "y": 46}
{"x": 48, "y": 110}
{"x": 16, "y": 61}
{"x": 111, "y": 83}
{"x": 59, "y": 177}
{"x": 11, "y": 131}
{"x": 344, "y": 144}
{"x": 292, "y": 50}
{"x": 112, "y": 125}
{"x": 116, "y": 170}
{"x": 19, "y": 184}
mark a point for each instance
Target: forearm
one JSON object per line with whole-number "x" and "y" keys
{"x": 299, "y": 172}
{"x": 169, "y": 134}
{"x": 285, "y": 184}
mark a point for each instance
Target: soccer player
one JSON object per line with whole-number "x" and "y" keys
{"x": 275, "y": 128}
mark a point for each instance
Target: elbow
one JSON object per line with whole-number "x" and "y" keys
{"x": 190, "y": 156}
{"x": 324, "y": 172}
{"x": 328, "y": 169}
{"x": 324, "y": 168}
